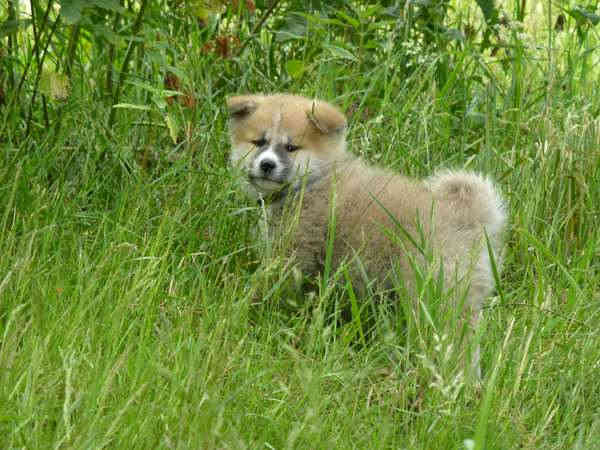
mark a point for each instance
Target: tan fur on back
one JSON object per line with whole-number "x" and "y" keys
{"x": 451, "y": 217}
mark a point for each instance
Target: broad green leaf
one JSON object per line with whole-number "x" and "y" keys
{"x": 294, "y": 27}
{"x": 583, "y": 15}
{"x": 173, "y": 127}
{"x": 101, "y": 30}
{"x": 341, "y": 52}
{"x": 490, "y": 13}
{"x": 111, "y": 5}
{"x": 350, "y": 20}
{"x": 72, "y": 10}
{"x": 159, "y": 92}
{"x": 145, "y": 86}
{"x": 203, "y": 9}
{"x": 315, "y": 19}
{"x": 294, "y": 67}
{"x": 160, "y": 101}
{"x": 132, "y": 106}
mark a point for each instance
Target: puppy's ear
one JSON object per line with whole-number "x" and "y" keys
{"x": 242, "y": 106}
{"x": 326, "y": 118}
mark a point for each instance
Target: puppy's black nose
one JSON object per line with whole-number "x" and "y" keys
{"x": 267, "y": 166}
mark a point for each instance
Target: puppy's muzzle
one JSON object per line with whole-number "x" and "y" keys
{"x": 267, "y": 166}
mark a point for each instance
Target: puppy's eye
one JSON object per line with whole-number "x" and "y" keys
{"x": 291, "y": 147}
{"x": 260, "y": 142}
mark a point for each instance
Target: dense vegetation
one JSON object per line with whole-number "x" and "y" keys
{"x": 138, "y": 309}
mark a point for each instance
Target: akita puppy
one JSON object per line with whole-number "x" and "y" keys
{"x": 382, "y": 224}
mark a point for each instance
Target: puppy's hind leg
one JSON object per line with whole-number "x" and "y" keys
{"x": 475, "y": 298}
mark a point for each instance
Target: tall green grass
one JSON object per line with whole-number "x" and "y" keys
{"x": 138, "y": 308}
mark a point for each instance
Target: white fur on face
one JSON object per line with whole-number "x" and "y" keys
{"x": 268, "y": 155}
{"x": 265, "y": 184}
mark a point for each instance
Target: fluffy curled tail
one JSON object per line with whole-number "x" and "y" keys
{"x": 472, "y": 198}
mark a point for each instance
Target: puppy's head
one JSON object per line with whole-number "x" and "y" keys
{"x": 279, "y": 140}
